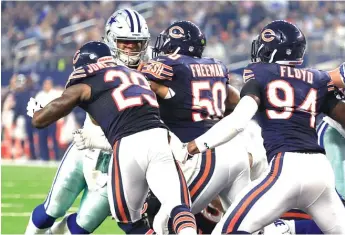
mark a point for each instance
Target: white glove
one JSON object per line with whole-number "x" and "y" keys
{"x": 86, "y": 140}
{"x": 32, "y": 107}
{"x": 178, "y": 148}
{"x": 79, "y": 139}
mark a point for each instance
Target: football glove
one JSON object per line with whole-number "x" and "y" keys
{"x": 179, "y": 149}
{"x": 32, "y": 107}
{"x": 86, "y": 140}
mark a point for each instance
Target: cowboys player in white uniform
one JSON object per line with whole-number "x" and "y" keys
{"x": 127, "y": 34}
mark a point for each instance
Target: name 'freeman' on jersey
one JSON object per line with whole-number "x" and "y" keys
{"x": 306, "y": 76}
{"x": 207, "y": 70}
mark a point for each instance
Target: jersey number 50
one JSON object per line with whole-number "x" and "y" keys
{"x": 288, "y": 102}
{"x": 214, "y": 106}
{"x": 128, "y": 80}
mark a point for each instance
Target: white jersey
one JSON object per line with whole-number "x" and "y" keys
{"x": 335, "y": 125}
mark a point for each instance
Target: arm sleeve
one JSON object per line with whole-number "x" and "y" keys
{"x": 230, "y": 126}
{"x": 252, "y": 87}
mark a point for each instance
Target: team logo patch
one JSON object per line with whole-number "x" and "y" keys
{"x": 268, "y": 35}
{"x": 176, "y": 32}
{"x": 76, "y": 56}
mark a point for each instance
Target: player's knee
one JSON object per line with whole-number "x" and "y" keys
{"x": 73, "y": 225}
{"x": 89, "y": 222}
{"x": 41, "y": 219}
{"x": 55, "y": 210}
{"x": 138, "y": 227}
{"x": 181, "y": 217}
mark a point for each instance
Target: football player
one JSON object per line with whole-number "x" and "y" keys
{"x": 193, "y": 94}
{"x": 332, "y": 138}
{"x": 87, "y": 169}
{"x": 286, "y": 100}
{"x": 121, "y": 102}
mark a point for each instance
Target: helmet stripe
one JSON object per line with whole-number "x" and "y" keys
{"x": 130, "y": 19}
{"x": 136, "y": 15}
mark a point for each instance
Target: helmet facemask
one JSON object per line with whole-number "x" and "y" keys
{"x": 127, "y": 56}
{"x": 127, "y": 27}
{"x": 162, "y": 45}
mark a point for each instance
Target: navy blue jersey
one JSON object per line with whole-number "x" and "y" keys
{"x": 290, "y": 100}
{"x": 122, "y": 102}
{"x": 198, "y": 87}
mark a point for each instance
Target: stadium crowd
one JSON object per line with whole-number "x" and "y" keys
{"x": 229, "y": 26}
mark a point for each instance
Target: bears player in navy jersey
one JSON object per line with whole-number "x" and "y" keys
{"x": 193, "y": 94}
{"x": 286, "y": 100}
{"x": 85, "y": 164}
{"x": 120, "y": 101}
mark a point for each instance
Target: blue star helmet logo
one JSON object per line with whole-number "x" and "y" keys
{"x": 112, "y": 20}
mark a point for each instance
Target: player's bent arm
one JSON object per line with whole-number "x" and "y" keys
{"x": 227, "y": 128}
{"x": 338, "y": 113}
{"x": 61, "y": 106}
{"x": 232, "y": 99}
{"x": 338, "y": 76}
{"x": 162, "y": 91}
{"x": 233, "y": 124}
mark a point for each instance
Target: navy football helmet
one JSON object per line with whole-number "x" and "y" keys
{"x": 182, "y": 37}
{"x": 92, "y": 52}
{"x": 279, "y": 42}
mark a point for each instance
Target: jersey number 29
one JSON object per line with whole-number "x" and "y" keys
{"x": 128, "y": 80}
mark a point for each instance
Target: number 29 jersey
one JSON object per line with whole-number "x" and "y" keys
{"x": 197, "y": 92}
{"x": 121, "y": 102}
{"x": 290, "y": 100}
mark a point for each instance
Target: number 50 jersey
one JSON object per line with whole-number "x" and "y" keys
{"x": 197, "y": 92}
{"x": 121, "y": 102}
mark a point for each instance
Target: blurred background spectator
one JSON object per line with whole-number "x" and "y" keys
{"x": 45, "y": 96}
{"x": 40, "y": 38}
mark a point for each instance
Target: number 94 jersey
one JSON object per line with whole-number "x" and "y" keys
{"x": 290, "y": 100}
{"x": 197, "y": 92}
{"x": 122, "y": 102}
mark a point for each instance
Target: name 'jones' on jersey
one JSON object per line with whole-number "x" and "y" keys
{"x": 122, "y": 102}
{"x": 198, "y": 89}
{"x": 290, "y": 100}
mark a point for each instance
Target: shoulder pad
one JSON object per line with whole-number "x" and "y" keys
{"x": 248, "y": 74}
{"x": 158, "y": 68}
{"x": 85, "y": 72}
{"x": 76, "y": 76}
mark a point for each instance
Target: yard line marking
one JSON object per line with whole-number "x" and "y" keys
{"x": 25, "y": 196}
{"x": 16, "y": 214}
{"x": 11, "y": 205}
{"x": 9, "y": 184}
{"x": 30, "y": 163}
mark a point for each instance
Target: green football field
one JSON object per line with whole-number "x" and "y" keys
{"x": 22, "y": 189}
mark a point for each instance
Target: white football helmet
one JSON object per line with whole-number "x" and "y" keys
{"x": 127, "y": 25}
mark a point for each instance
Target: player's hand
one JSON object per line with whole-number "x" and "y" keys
{"x": 87, "y": 140}
{"x": 179, "y": 149}
{"x": 32, "y": 107}
{"x": 79, "y": 139}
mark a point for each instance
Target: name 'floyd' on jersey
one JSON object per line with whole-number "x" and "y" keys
{"x": 197, "y": 85}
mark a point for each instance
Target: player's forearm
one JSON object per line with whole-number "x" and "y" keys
{"x": 55, "y": 110}
{"x": 338, "y": 76}
{"x": 227, "y": 128}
